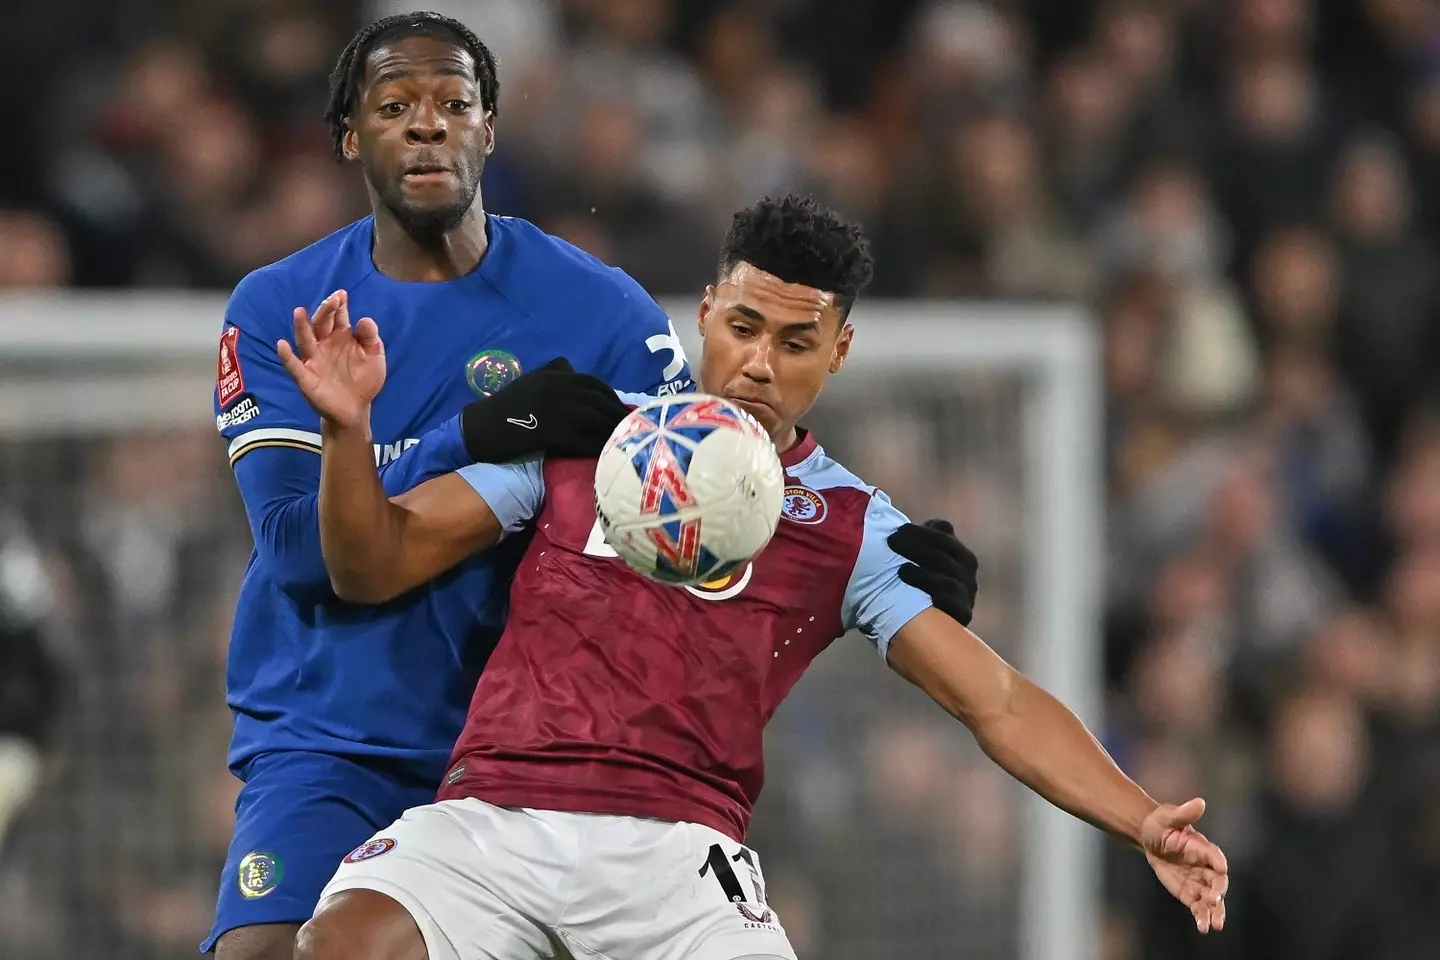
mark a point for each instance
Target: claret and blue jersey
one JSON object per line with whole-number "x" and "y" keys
{"x": 613, "y": 694}
{"x": 345, "y": 715}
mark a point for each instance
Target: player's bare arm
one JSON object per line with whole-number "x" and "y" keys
{"x": 1044, "y": 745}
{"x": 375, "y": 547}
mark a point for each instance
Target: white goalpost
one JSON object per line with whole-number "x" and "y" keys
{"x": 988, "y": 408}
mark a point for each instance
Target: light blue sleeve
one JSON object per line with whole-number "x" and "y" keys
{"x": 634, "y": 399}
{"x": 876, "y": 600}
{"x": 512, "y": 491}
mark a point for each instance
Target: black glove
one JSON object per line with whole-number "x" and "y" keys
{"x": 940, "y": 565}
{"x": 553, "y": 411}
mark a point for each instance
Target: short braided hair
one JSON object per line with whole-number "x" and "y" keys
{"x": 345, "y": 79}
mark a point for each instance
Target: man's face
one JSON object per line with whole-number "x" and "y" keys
{"x": 769, "y": 345}
{"x": 420, "y": 133}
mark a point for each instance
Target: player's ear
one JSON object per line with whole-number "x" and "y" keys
{"x": 707, "y": 303}
{"x": 349, "y": 145}
{"x": 489, "y": 133}
{"x": 842, "y": 348}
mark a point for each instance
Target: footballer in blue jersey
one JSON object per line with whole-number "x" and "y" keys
{"x": 345, "y": 715}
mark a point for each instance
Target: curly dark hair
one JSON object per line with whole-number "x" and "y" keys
{"x": 345, "y": 79}
{"x": 800, "y": 241}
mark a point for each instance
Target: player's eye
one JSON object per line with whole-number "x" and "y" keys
{"x": 740, "y": 330}
{"x": 392, "y": 109}
{"x": 459, "y": 106}
{"x": 795, "y": 346}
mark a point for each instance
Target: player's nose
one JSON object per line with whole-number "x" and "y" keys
{"x": 427, "y": 124}
{"x": 757, "y": 362}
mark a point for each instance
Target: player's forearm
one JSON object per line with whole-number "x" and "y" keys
{"x": 279, "y": 487}
{"x": 1046, "y": 747}
{"x": 361, "y": 530}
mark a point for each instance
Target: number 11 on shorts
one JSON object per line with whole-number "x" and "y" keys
{"x": 718, "y": 864}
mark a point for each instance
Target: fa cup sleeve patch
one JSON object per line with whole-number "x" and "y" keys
{"x": 229, "y": 380}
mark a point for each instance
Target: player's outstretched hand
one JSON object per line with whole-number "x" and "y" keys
{"x": 340, "y": 369}
{"x": 940, "y": 565}
{"x": 552, "y": 411}
{"x": 1191, "y": 867}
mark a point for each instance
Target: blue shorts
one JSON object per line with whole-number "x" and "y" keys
{"x": 297, "y": 816}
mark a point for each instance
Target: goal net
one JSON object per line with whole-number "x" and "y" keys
{"x": 883, "y": 832}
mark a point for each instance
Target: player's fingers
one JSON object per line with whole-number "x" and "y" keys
{"x": 941, "y": 525}
{"x": 584, "y": 436}
{"x": 590, "y": 394}
{"x": 367, "y": 332}
{"x": 944, "y": 593}
{"x": 304, "y": 333}
{"x": 932, "y": 581}
{"x": 1220, "y": 883}
{"x": 324, "y": 320}
{"x": 924, "y": 554}
{"x": 1209, "y": 915}
{"x": 1184, "y": 815}
{"x": 1214, "y": 858}
{"x": 584, "y": 383}
{"x": 1213, "y": 883}
{"x": 600, "y": 423}
{"x": 1197, "y": 849}
{"x": 342, "y": 309}
{"x": 922, "y": 579}
{"x": 932, "y": 548}
{"x": 293, "y": 364}
{"x": 945, "y": 539}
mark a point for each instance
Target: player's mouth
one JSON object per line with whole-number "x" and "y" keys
{"x": 427, "y": 173}
{"x": 758, "y": 409}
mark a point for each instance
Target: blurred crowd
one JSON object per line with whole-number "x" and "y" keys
{"x": 1245, "y": 192}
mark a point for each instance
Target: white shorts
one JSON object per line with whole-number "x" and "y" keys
{"x": 498, "y": 883}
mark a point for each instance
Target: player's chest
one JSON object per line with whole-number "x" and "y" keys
{"x": 443, "y": 353}
{"x": 794, "y": 587}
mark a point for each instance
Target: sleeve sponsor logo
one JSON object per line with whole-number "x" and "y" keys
{"x": 229, "y": 381}
{"x": 390, "y": 452}
{"x": 245, "y": 410}
{"x": 674, "y": 388}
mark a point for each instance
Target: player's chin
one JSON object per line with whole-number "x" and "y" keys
{"x": 441, "y": 193}
{"x": 428, "y": 214}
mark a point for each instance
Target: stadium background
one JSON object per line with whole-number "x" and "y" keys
{"x": 1244, "y": 193}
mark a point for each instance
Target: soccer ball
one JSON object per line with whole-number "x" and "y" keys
{"x": 688, "y": 488}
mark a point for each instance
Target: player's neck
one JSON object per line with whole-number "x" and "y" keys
{"x": 402, "y": 256}
{"x": 785, "y": 439}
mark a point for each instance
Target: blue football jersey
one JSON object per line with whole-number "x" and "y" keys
{"x": 306, "y": 670}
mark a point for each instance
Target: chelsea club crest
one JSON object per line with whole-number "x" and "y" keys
{"x": 490, "y": 370}
{"x": 259, "y": 873}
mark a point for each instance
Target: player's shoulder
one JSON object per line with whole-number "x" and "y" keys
{"x": 819, "y": 488}
{"x": 545, "y": 272}
{"x": 819, "y": 471}
{"x": 276, "y": 288}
